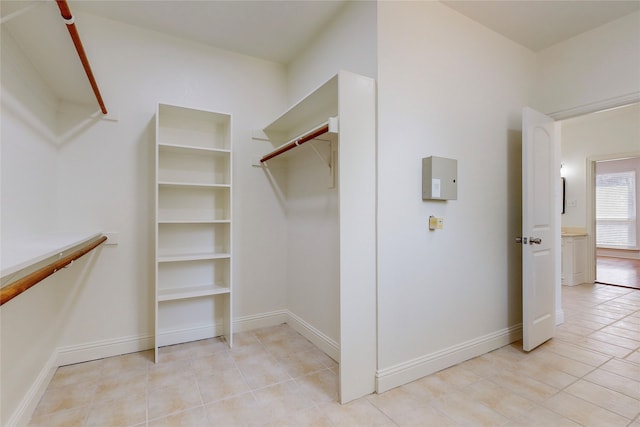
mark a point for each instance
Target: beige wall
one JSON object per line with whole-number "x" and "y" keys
{"x": 448, "y": 87}
{"x": 596, "y": 66}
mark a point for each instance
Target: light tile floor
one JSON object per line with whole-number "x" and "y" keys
{"x": 588, "y": 375}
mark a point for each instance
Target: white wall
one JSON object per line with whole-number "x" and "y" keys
{"x": 313, "y": 250}
{"x": 28, "y": 333}
{"x": 349, "y": 42}
{"x": 595, "y": 135}
{"x": 447, "y": 87}
{"x": 442, "y": 295}
{"x": 120, "y": 157}
{"x": 598, "y": 65}
{"x": 28, "y": 146}
{"x": 104, "y": 180}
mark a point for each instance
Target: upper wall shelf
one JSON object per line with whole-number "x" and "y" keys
{"x": 178, "y": 148}
{"x": 20, "y": 254}
{"x": 192, "y": 129}
{"x": 306, "y": 114}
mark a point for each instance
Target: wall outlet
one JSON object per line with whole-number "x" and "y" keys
{"x": 112, "y": 237}
{"x": 572, "y": 203}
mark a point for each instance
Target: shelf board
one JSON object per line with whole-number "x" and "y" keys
{"x": 312, "y": 110}
{"x": 191, "y": 184}
{"x": 186, "y": 148}
{"x": 192, "y": 257}
{"x": 194, "y": 221}
{"x": 191, "y": 292}
{"x": 18, "y": 254}
{"x": 182, "y": 113}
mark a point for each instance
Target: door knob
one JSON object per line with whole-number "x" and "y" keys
{"x": 536, "y": 240}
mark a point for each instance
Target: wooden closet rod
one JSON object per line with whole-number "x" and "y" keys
{"x": 73, "y": 32}
{"x": 296, "y": 142}
{"x": 12, "y": 290}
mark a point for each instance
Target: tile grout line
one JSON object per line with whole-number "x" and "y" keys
{"x": 582, "y": 303}
{"x": 564, "y": 389}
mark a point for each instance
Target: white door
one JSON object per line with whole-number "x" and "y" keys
{"x": 540, "y": 226}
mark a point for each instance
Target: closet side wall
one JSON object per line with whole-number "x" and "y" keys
{"x": 29, "y": 146}
{"x": 28, "y": 168}
{"x": 349, "y": 42}
{"x": 448, "y": 87}
{"x": 313, "y": 250}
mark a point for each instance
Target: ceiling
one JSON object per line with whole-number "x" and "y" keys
{"x": 540, "y": 24}
{"x": 279, "y": 30}
{"x": 275, "y": 30}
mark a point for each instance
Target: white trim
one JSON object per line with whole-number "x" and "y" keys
{"x": 358, "y": 240}
{"x": 618, "y": 253}
{"x": 115, "y": 347}
{"x": 559, "y": 316}
{"x": 30, "y": 400}
{"x": 592, "y": 107}
{"x": 179, "y": 336}
{"x": 104, "y": 348}
{"x": 257, "y": 321}
{"x": 319, "y": 339}
{"x": 422, "y": 366}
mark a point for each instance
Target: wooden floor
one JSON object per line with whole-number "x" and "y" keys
{"x": 618, "y": 271}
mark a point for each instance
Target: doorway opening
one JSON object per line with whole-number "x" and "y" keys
{"x": 600, "y": 138}
{"x": 616, "y": 222}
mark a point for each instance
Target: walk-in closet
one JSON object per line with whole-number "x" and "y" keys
{"x": 325, "y": 181}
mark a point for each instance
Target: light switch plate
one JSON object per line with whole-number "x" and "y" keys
{"x": 436, "y": 223}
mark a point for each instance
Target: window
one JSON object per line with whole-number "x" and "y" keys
{"x": 616, "y": 210}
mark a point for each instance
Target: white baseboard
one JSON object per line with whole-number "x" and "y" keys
{"x": 422, "y": 366}
{"x": 30, "y": 400}
{"x": 319, "y": 339}
{"x": 257, "y": 321}
{"x": 273, "y": 318}
{"x": 114, "y": 347}
{"x": 178, "y": 336}
{"x": 103, "y": 348}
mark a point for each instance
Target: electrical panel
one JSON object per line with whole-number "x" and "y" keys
{"x": 439, "y": 178}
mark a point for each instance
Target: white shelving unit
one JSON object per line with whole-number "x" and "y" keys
{"x": 193, "y": 226}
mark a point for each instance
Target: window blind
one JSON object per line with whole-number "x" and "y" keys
{"x": 616, "y": 209}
